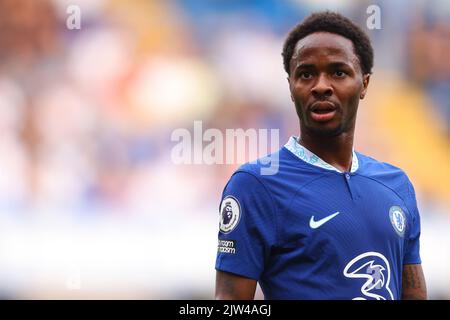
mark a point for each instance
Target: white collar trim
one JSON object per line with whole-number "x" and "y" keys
{"x": 304, "y": 154}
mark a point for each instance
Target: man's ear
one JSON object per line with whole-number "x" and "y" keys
{"x": 289, "y": 82}
{"x": 366, "y": 79}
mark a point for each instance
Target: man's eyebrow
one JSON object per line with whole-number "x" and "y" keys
{"x": 339, "y": 64}
{"x": 330, "y": 65}
{"x": 304, "y": 66}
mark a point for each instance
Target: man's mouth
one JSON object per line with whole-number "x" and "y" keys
{"x": 323, "y": 111}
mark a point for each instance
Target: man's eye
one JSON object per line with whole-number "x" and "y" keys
{"x": 340, "y": 74}
{"x": 305, "y": 75}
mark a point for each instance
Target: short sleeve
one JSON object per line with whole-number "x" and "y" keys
{"x": 412, "y": 252}
{"x": 247, "y": 229}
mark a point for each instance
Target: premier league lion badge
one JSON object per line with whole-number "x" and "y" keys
{"x": 230, "y": 213}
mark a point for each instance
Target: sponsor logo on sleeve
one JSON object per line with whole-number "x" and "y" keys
{"x": 227, "y": 246}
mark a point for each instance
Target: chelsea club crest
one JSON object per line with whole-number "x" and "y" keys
{"x": 398, "y": 220}
{"x": 230, "y": 213}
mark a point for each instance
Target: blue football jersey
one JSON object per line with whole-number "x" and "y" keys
{"x": 312, "y": 232}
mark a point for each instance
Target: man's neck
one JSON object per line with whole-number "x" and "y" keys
{"x": 336, "y": 151}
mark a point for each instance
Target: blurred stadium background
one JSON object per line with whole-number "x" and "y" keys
{"x": 91, "y": 205}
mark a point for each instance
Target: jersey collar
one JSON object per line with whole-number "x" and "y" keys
{"x": 304, "y": 154}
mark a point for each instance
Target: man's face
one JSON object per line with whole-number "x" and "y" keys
{"x": 326, "y": 83}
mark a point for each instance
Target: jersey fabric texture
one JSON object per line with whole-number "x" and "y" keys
{"x": 312, "y": 232}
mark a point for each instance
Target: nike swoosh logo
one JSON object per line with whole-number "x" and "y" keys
{"x": 315, "y": 224}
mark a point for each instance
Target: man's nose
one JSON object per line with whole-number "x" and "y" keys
{"x": 322, "y": 88}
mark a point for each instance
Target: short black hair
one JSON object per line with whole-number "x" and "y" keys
{"x": 332, "y": 22}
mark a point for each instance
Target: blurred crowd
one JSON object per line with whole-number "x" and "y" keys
{"x": 86, "y": 115}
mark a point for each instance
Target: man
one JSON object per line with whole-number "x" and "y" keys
{"x": 332, "y": 223}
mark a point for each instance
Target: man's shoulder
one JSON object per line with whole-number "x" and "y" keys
{"x": 280, "y": 173}
{"x": 390, "y": 176}
{"x": 372, "y": 164}
{"x": 383, "y": 172}
{"x": 260, "y": 168}
{"x": 275, "y": 166}
{"x": 251, "y": 177}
